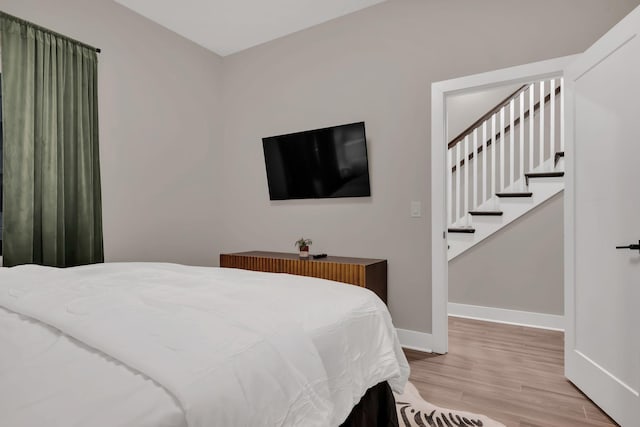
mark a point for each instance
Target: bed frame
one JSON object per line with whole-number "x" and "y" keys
{"x": 377, "y": 408}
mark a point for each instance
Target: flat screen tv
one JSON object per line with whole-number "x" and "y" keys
{"x": 320, "y": 163}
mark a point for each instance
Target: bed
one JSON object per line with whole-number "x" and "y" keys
{"x": 143, "y": 344}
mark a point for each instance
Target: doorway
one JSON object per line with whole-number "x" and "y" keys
{"x": 505, "y": 177}
{"x": 440, "y": 162}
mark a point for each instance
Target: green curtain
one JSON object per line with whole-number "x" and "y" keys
{"x": 52, "y": 201}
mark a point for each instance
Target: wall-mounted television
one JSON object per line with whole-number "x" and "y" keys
{"x": 320, "y": 163}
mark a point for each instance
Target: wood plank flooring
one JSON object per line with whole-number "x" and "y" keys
{"x": 510, "y": 373}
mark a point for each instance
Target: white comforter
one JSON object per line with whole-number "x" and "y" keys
{"x": 163, "y": 344}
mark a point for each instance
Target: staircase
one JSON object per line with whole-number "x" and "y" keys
{"x": 505, "y": 164}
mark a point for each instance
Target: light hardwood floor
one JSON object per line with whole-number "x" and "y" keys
{"x": 510, "y": 373}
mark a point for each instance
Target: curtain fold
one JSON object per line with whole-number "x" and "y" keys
{"x": 52, "y": 196}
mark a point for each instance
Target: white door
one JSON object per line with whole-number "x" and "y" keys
{"x": 602, "y": 349}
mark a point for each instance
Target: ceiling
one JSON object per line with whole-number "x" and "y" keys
{"x": 229, "y": 26}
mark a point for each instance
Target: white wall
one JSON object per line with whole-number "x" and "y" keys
{"x": 377, "y": 65}
{"x": 160, "y": 126}
{"x": 521, "y": 267}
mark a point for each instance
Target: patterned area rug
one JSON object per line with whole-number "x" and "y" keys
{"x": 414, "y": 411}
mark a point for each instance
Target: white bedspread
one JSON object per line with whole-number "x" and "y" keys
{"x": 214, "y": 347}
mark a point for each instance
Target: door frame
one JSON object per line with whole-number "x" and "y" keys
{"x": 521, "y": 74}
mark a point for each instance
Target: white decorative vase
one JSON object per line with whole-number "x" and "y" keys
{"x": 304, "y": 252}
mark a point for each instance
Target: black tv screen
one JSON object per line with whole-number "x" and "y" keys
{"x": 320, "y": 163}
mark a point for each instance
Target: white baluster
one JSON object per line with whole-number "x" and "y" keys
{"x": 562, "y": 114}
{"x": 521, "y": 169}
{"x": 493, "y": 155}
{"x": 485, "y": 160}
{"x": 450, "y": 186}
{"x": 474, "y": 177}
{"x": 502, "y": 144}
{"x": 552, "y": 119}
{"x": 458, "y": 148}
{"x": 466, "y": 179}
{"x": 512, "y": 141}
{"x": 532, "y": 95}
{"x": 541, "y": 138}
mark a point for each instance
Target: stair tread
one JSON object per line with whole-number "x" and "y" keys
{"x": 554, "y": 174}
{"x": 525, "y": 194}
{"x": 486, "y": 213}
{"x": 462, "y": 230}
{"x": 543, "y": 174}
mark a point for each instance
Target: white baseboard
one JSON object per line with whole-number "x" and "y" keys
{"x": 414, "y": 340}
{"x": 511, "y": 317}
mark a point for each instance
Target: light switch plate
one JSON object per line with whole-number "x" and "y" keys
{"x": 416, "y": 209}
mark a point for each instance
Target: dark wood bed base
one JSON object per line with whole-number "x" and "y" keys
{"x": 377, "y": 408}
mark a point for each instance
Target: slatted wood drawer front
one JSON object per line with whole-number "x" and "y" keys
{"x": 371, "y": 274}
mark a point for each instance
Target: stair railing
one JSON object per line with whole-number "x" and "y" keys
{"x": 519, "y": 135}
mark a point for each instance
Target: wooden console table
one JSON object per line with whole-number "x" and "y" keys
{"x": 367, "y": 273}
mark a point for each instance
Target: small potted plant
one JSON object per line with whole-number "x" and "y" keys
{"x": 303, "y": 245}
